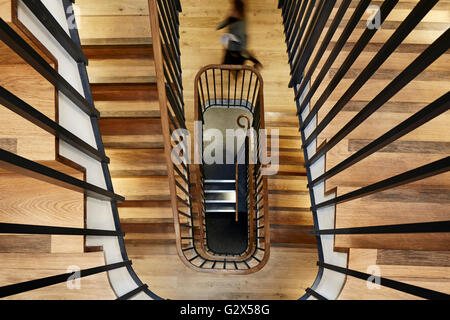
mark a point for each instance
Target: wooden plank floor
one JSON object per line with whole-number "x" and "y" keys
{"x": 425, "y": 269}
{"x": 287, "y": 273}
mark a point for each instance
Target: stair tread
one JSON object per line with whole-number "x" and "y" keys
{"x": 120, "y": 51}
{"x": 137, "y": 162}
{"x": 431, "y": 277}
{"x": 123, "y": 70}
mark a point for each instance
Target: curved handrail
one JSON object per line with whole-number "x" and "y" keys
{"x": 201, "y": 105}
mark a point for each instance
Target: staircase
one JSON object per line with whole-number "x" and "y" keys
{"x": 377, "y": 162}
{"x": 123, "y": 82}
{"x": 358, "y": 208}
{"x": 49, "y": 150}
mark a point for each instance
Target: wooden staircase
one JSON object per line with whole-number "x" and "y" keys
{"x": 420, "y": 259}
{"x": 122, "y": 77}
{"x": 28, "y": 199}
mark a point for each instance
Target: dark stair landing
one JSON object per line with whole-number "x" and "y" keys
{"x": 225, "y": 235}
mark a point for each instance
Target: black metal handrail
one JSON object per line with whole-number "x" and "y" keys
{"x": 297, "y": 15}
{"x": 27, "y": 53}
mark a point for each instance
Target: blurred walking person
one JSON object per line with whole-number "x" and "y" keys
{"x": 235, "y": 41}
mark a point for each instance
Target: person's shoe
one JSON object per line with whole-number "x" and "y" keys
{"x": 258, "y": 65}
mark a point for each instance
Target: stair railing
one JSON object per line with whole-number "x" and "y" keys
{"x": 20, "y": 40}
{"x": 242, "y": 87}
{"x": 164, "y": 18}
{"x": 301, "y": 42}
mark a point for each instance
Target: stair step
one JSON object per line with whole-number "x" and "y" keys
{"x": 146, "y": 215}
{"x": 142, "y": 133}
{"x": 26, "y": 200}
{"x": 286, "y": 183}
{"x": 220, "y": 207}
{"x": 19, "y": 267}
{"x": 125, "y": 70}
{"x": 128, "y": 109}
{"x": 280, "y": 215}
{"x": 400, "y": 205}
{"x": 219, "y": 181}
{"x": 114, "y": 29}
{"x": 95, "y": 52}
{"x": 289, "y": 234}
{"x": 130, "y": 126}
{"x": 163, "y": 237}
{"x": 299, "y": 199}
{"x": 124, "y": 91}
{"x": 433, "y": 275}
{"x": 137, "y": 162}
{"x": 148, "y": 228}
{"x": 143, "y": 188}
{"x": 224, "y": 197}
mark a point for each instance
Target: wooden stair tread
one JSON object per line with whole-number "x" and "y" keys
{"x": 124, "y": 91}
{"x": 17, "y": 134}
{"x": 143, "y": 188}
{"x": 18, "y": 267}
{"x": 30, "y": 201}
{"x": 148, "y": 228}
{"x": 114, "y": 30}
{"x": 383, "y": 165}
{"x": 405, "y": 204}
{"x": 137, "y": 162}
{"x": 130, "y": 126}
{"x": 126, "y": 70}
{"x": 291, "y": 234}
{"x": 114, "y": 7}
{"x": 431, "y": 277}
{"x": 146, "y": 215}
{"x": 128, "y": 109}
{"x": 118, "y": 51}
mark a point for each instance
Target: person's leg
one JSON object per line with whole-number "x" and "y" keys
{"x": 247, "y": 56}
{"x": 233, "y": 57}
